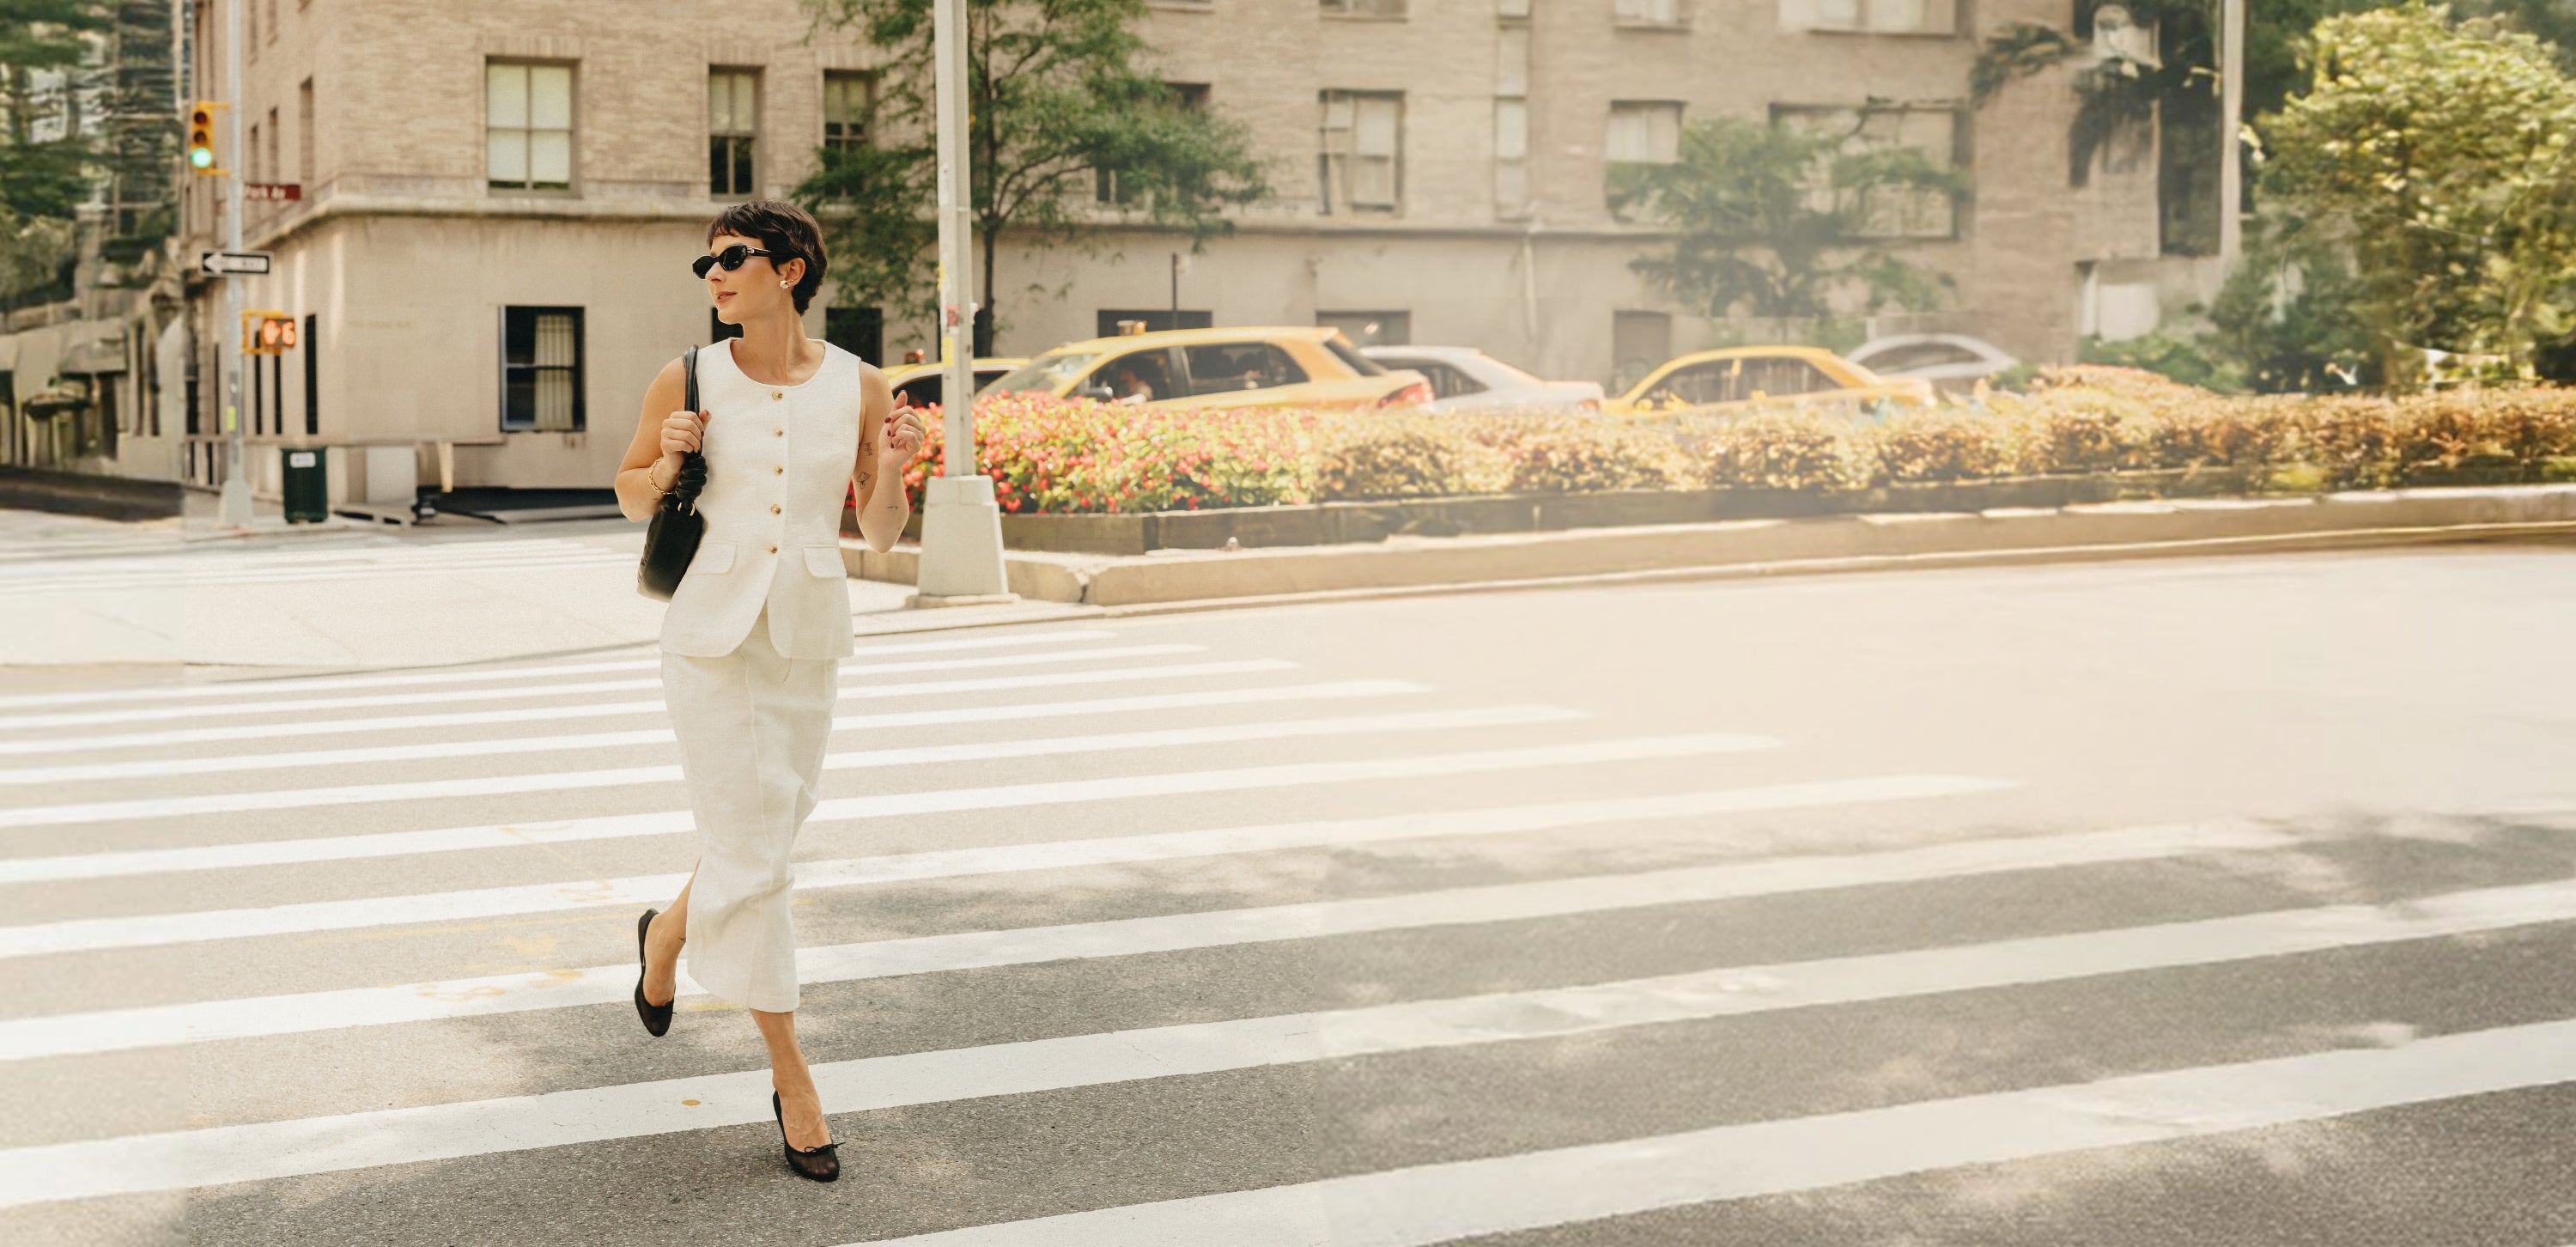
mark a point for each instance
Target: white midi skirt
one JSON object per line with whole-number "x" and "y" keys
{"x": 752, "y": 727}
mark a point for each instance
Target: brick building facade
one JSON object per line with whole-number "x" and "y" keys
{"x": 499, "y": 199}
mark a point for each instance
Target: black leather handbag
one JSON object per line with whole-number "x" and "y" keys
{"x": 673, "y": 539}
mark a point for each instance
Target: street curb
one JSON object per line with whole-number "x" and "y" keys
{"x": 2358, "y": 539}
{"x": 1202, "y": 580}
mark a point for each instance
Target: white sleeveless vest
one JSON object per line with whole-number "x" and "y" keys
{"x": 779, "y": 459}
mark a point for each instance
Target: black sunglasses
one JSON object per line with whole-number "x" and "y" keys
{"x": 731, "y": 257}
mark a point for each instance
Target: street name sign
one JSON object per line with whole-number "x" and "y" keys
{"x": 272, "y": 190}
{"x": 234, "y": 263}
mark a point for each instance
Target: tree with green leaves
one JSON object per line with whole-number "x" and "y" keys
{"x": 46, "y": 153}
{"x": 1061, "y": 107}
{"x": 2439, "y": 156}
{"x": 1780, "y": 222}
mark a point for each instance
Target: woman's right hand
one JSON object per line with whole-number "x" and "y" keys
{"x": 682, "y": 432}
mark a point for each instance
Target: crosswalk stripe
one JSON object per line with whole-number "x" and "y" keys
{"x": 974, "y": 861}
{"x": 171, "y": 582}
{"x": 634, "y": 776}
{"x": 260, "y": 688}
{"x": 1427, "y": 1204}
{"x": 230, "y": 764}
{"x": 849, "y": 673}
{"x": 194, "y": 1022}
{"x": 89, "y": 934}
{"x": 594, "y": 710}
{"x": 2345, "y": 1079}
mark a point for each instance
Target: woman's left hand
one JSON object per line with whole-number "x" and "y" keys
{"x": 898, "y": 439}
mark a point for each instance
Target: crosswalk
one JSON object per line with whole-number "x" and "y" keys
{"x": 1365, "y": 959}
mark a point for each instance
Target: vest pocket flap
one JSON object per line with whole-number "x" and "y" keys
{"x": 714, "y": 556}
{"x": 825, "y": 561}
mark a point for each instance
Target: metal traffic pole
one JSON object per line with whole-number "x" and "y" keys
{"x": 961, "y": 528}
{"x": 234, "y": 511}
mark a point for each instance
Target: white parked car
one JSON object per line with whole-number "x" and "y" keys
{"x": 1950, "y": 361}
{"x": 1466, "y": 380}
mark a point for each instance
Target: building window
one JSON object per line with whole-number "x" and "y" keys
{"x": 1898, "y": 212}
{"x": 1644, "y": 132}
{"x": 1186, "y": 96}
{"x": 1650, "y": 12}
{"x": 849, "y": 101}
{"x": 1882, "y": 17}
{"x": 527, "y": 126}
{"x": 733, "y": 126}
{"x": 541, "y": 364}
{"x": 1371, "y": 328}
{"x": 1361, "y": 166}
{"x": 304, "y": 133}
{"x": 1364, "y": 8}
{"x": 858, "y": 330}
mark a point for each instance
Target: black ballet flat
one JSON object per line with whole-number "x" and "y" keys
{"x": 657, "y": 1018}
{"x": 822, "y": 1164}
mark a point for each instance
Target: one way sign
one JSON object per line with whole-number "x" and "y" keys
{"x": 233, "y": 263}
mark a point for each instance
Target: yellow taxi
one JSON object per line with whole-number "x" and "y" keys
{"x": 1747, "y": 376}
{"x": 920, "y": 385}
{"x": 1294, "y": 365}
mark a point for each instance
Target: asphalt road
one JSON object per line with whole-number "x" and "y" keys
{"x": 2180, "y": 902}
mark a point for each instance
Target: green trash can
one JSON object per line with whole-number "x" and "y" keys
{"x": 308, "y": 486}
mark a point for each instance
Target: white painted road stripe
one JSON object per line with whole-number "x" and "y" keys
{"x": 2440, "y": 1068}
{"x": 1428, "y": 1204}
{"x": 228, "y": 764}
{"x": 597, "y": 710}
{"x": 87, "y": 934}
{"x": 330, "y": 848}
{"x": 159, "y": 1025}
{"x": 469, "y": 675}
{"x": 636, "y": 776}
{"x": 30, "y": 722}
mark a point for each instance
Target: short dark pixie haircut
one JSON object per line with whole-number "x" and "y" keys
{"x": 785, "y": 231}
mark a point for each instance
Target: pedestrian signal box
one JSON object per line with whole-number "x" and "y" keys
{"x": 267, "y": 333}
{"x": 201, "y": 138}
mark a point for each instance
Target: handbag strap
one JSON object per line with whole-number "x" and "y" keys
{"x": 693, "y": 472}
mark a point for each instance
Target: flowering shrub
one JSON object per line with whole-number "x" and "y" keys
{"x": 1069, "y": 456}
{"x": 1561, "y": 454}
{"x": 1938, "y": 445}
{"x": 1776, "y": 450}
{"x": 1404, "y": 455}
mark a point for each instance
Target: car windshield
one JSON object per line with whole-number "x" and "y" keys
{"x": 1046, "y": 373}
{"x": 1361, "y": 364}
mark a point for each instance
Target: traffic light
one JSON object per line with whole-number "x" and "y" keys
{"x": 267, "y": 333}
{"x": 201, "y": 138}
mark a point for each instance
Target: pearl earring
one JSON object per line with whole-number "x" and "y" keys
{"x": 785, "y": 284}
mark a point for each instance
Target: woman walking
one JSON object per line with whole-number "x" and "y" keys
{"x": 753, "y": 638}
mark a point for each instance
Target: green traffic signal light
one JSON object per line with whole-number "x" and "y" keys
{"x": 201, "y": 157}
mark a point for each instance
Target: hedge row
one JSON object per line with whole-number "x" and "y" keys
{"x": 1073, "y": 456}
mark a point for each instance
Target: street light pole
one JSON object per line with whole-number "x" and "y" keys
{"x": 2231, "y": 112}
{"x": 961, "y": 528}
{"x": 234, "y": 511}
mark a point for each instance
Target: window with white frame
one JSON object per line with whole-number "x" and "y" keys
{"x": 1884, "y": 17}
{"x": 1896, "y": 212}
{"x": 527, "y": 126}
{"x": 541, "y": 367}
{"x": 1644, "y": 132}
{"x": 1105, "y": 186}
{"x": 849, "y": 101}
{"x": 1511, "y": 116}
{"x": 1646, "y": 12}
{"x": 733, "y": 130}
{"x": 1360, "y": 167}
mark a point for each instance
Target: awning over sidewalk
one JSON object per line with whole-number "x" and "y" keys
{"x": 95, "y": 356}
